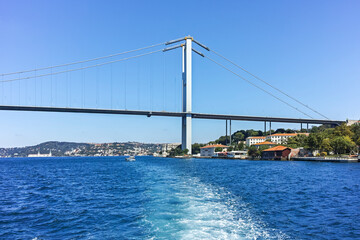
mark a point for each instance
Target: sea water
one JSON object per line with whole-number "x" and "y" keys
{"x": 165, "y": 198}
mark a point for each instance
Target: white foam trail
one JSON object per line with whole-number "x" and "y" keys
{"x": 201, "y": 211}
{"x": 209, "y": 217}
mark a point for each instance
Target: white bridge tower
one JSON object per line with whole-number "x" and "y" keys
{"x": 186, "y": 125}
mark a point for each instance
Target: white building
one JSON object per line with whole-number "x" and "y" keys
{"x": 169, "y": 146}
{"x": 281, "y": 138}
{"x": 237, "y": 154}
{"x": 351, "y": 122}
{"x": 253, "y": 140}
{"x": 209, "y": 150}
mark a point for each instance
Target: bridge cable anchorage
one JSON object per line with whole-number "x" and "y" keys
{"x": 259, "y": 87}
{"x": 270, "y": 85}
{"x": 84, "y": 61}
{"x": 77, "y": 69}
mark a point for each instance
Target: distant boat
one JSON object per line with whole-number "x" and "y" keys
{"x": 40, "y": 155}
{"x": 130, "y": 159}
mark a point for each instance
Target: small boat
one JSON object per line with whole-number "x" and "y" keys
{"x": 130, "y": 159}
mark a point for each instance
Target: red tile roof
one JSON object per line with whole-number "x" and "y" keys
{"x": 215, "y": 146}
{"x": 277, "y": 148}
{"x": 257, "y": 137}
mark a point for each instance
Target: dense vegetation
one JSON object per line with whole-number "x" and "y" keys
{"x": 178, "y": 152}
{"x": 339, "y": 140}
{"x": 241, "y": 135}
{"x": 342, "y": 139}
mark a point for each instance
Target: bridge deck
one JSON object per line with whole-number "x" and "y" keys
{"x": 169, "y": 114}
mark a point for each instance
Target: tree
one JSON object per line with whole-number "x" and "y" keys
{"x": 218, "y": 149}
{"x": 280, "y": 130}
{"x": 223, "y": 140}
{"x": 178, "y": 151}
{"x": 196, "y": 147}
{"x": 325, "y": 145}
{"x": 297, "y": 141}
{"x": 256, "y": 152}
{"x": 252, "y": 151}
{"x": 355, "y": 128}
{"x": 313, "y": 141}
{"x": 238, "y": 136}
{"x": 357, "y": 142}
{"x": 241, "y": 146}
{"x": 342, "y": 144}
{"x": 343, "y": 130}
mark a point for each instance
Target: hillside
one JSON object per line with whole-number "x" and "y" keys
{"x": 82, "y": 149}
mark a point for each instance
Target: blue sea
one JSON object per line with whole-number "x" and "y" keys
{"x": 165, "y": 198}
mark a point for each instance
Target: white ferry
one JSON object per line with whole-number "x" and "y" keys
{"x": 41, "y": 155}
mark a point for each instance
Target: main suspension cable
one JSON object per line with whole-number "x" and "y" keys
{"x": 262, "y": 89}
{"x": 77, "y": 69}
{"x": 84, "y": 61}
{"x": 270, "y": 85}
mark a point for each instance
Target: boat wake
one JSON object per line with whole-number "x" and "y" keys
{"x": 182, "y": 207}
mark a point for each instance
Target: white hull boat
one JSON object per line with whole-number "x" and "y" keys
{"x": 130, "y": 159}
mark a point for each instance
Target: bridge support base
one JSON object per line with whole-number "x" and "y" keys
{"x": 186, "y": 133}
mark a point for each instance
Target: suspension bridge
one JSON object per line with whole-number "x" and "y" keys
{"x": 79, "y": 87}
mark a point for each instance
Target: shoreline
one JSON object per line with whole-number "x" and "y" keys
{"x": 305, "y": 159}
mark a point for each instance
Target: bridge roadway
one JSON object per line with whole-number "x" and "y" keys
{"x": 170, "y": 114}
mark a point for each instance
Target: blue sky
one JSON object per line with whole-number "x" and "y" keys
{"x": 309, "y": 49}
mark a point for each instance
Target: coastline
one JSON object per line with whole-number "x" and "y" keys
{"x": 307, "y": 159}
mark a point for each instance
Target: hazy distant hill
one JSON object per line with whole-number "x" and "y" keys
{"x": 81, "y": 149}
{"x": 56, "y": 148}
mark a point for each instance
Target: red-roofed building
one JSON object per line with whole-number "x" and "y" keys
{"x": 276, "y": 153}
{"x": 209, "y": 150}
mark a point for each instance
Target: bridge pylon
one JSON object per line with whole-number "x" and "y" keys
{"x": 186, "y": 123}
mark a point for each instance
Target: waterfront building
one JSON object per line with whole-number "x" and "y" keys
{"x": 281, "y": 138}
{"x": 276, "y": 153}
{"x": 167, "y": 147}
{"x": 266, "y": 144}
{"x": 253, "y": 140}
{"x": 237, "y": 154}
{"x": 209, "y": 150}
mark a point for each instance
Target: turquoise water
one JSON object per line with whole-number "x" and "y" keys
{"x": 157, "y": 198}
